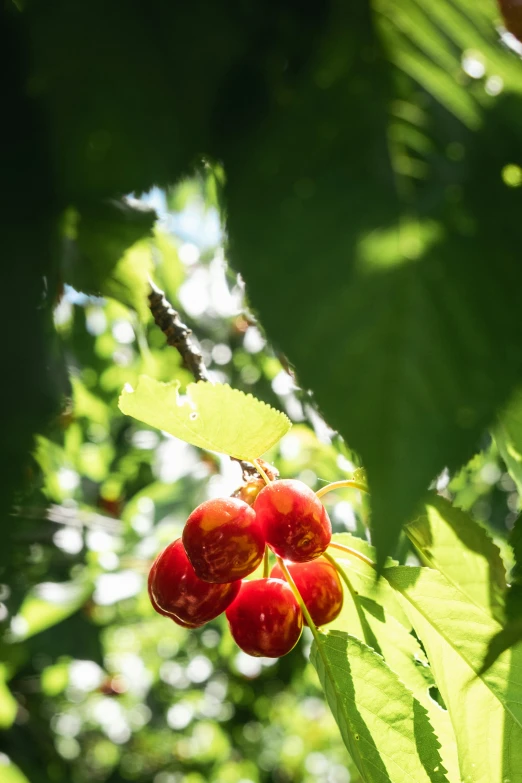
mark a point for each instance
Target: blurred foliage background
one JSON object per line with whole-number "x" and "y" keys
{"x": 93, "y": 684}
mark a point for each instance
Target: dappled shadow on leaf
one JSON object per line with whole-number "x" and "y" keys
{"x": 365, "y": 696}
{"x": 427, "y": 745}
{"x": 373, "y": 607}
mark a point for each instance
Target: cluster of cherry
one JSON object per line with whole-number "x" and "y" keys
{"x": 199, "y": 576}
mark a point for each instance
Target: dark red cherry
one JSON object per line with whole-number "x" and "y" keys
{"x": 294, "y": 520}
{"x": 223, "y": 540}
{"x": 320, "y": 588}
{"x": 265, "y": 618}
{"x": 176, "y": 592}
{"x": 158, "y": 609}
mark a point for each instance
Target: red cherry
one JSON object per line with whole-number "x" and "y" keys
{"x": 294, "y": 520}
{"x": 176, "y": 592}
{"x": 320, "y": 588}
{"x": 265, "y": 618}
{"x": 223, "y": 540}
{"x": 151, "y": 580}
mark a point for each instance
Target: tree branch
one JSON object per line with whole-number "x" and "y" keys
{"x": 178, "y": 336}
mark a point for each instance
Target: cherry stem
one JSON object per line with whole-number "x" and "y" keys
{"x": 266, "y": 563}
{"x": 289, "y": 578}
{"x": 342, "y": 573}
{"x": 349, "y": 483}
{"x": 354, "y": 552}
{"x": 262, "y": 472}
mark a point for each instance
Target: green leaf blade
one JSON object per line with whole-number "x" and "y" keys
{"x": 449, "y": 540}
{"x": 383, "y": 726}
{"x": 215, "y": 417}
{"x": 486, "y": 710}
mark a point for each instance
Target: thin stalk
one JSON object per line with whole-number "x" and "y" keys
{"x": 266, "y": 564}
{"x": 262, "y": 472}
{"x": 354, "y": 552}
{"x": 342, "y": 573}
{"x": 349, "y": 483}
{"x": 289, "y": 578}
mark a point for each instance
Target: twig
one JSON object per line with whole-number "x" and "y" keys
{"x": 178, "y": 336}
{"x": 177, "y": 333}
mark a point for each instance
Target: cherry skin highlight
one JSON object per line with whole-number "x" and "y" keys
{"x": 223, "y": 540}
{"x": 265, "y": 618}
{"x": 294, "y": 521}
{"x": 176, "y": 592}
{"x": 320, "y": 588}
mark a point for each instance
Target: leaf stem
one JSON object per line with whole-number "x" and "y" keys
{"x": 266, "y": 563}
{"x": 349, "y": 483}
{"x": 354, "y": 552}
{"x": 262, "y": 473}
{"x": 342, "y": 573}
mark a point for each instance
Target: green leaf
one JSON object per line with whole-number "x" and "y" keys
{"x": 8, "y": 704}
{"x": 364, "y": 617}
{"x": 385, "y": 729}
{"x": 362, "y": 575}
{"x": 511, "y": 634}
{"x": 508, "y": 437}
{"x": 105, "y": 254}
{"x": 486, "y": 710}
{"x": 402, "y": 352}
{"x": 9, "y": 772}
{"x": 215, "y": 417}
{"x": 449, "y": 540}
{"x": 48, "y": 604}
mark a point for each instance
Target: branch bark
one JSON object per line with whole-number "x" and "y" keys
{"x": 178, "y": 336}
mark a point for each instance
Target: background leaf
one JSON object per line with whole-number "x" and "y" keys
{"x": 508, "y": 437}
{"x": 10, "y": 772}
{"x": 8, "y": 704}
{"x": 384, "y": 727}
{"x": 215, "y": 417}
{"x": 511, "y": 634}
{"x": 449, "y": 540}
{"x": 455, "y": 633}
{"x": 404, "y": 365}
{"x": 48, "y": 604}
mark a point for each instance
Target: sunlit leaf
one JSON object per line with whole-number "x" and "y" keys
{"x": 9, "y": 772}
{"x": 215, "y": 417}
{"x": 486, "y": 711}
{"x": 508, "y": 437}
{"x": 386, "y": 729}
{"x": 511, "y": 634}
{"x": 8, "y": 705}
{"x": 48, "y": 604}
{"x": 449, "y": 540}
{"x": 370, "y": 621}
{"x": 362, "y": 575}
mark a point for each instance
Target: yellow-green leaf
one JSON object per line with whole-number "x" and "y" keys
{"x": 8, "y": 705}
{"x": 213, "y": 417}
{"x": 386, "y": 729}
{"x": 449, "y": 540}
{"x": 485, "y": 709}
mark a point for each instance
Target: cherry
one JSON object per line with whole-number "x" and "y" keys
{"x": 176, "y": 592}
{"x": 265, "y": 618}
{"x": 223, "y": 540}
{"x": 320, "y": 588}
{"x": 294, "y": 520}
